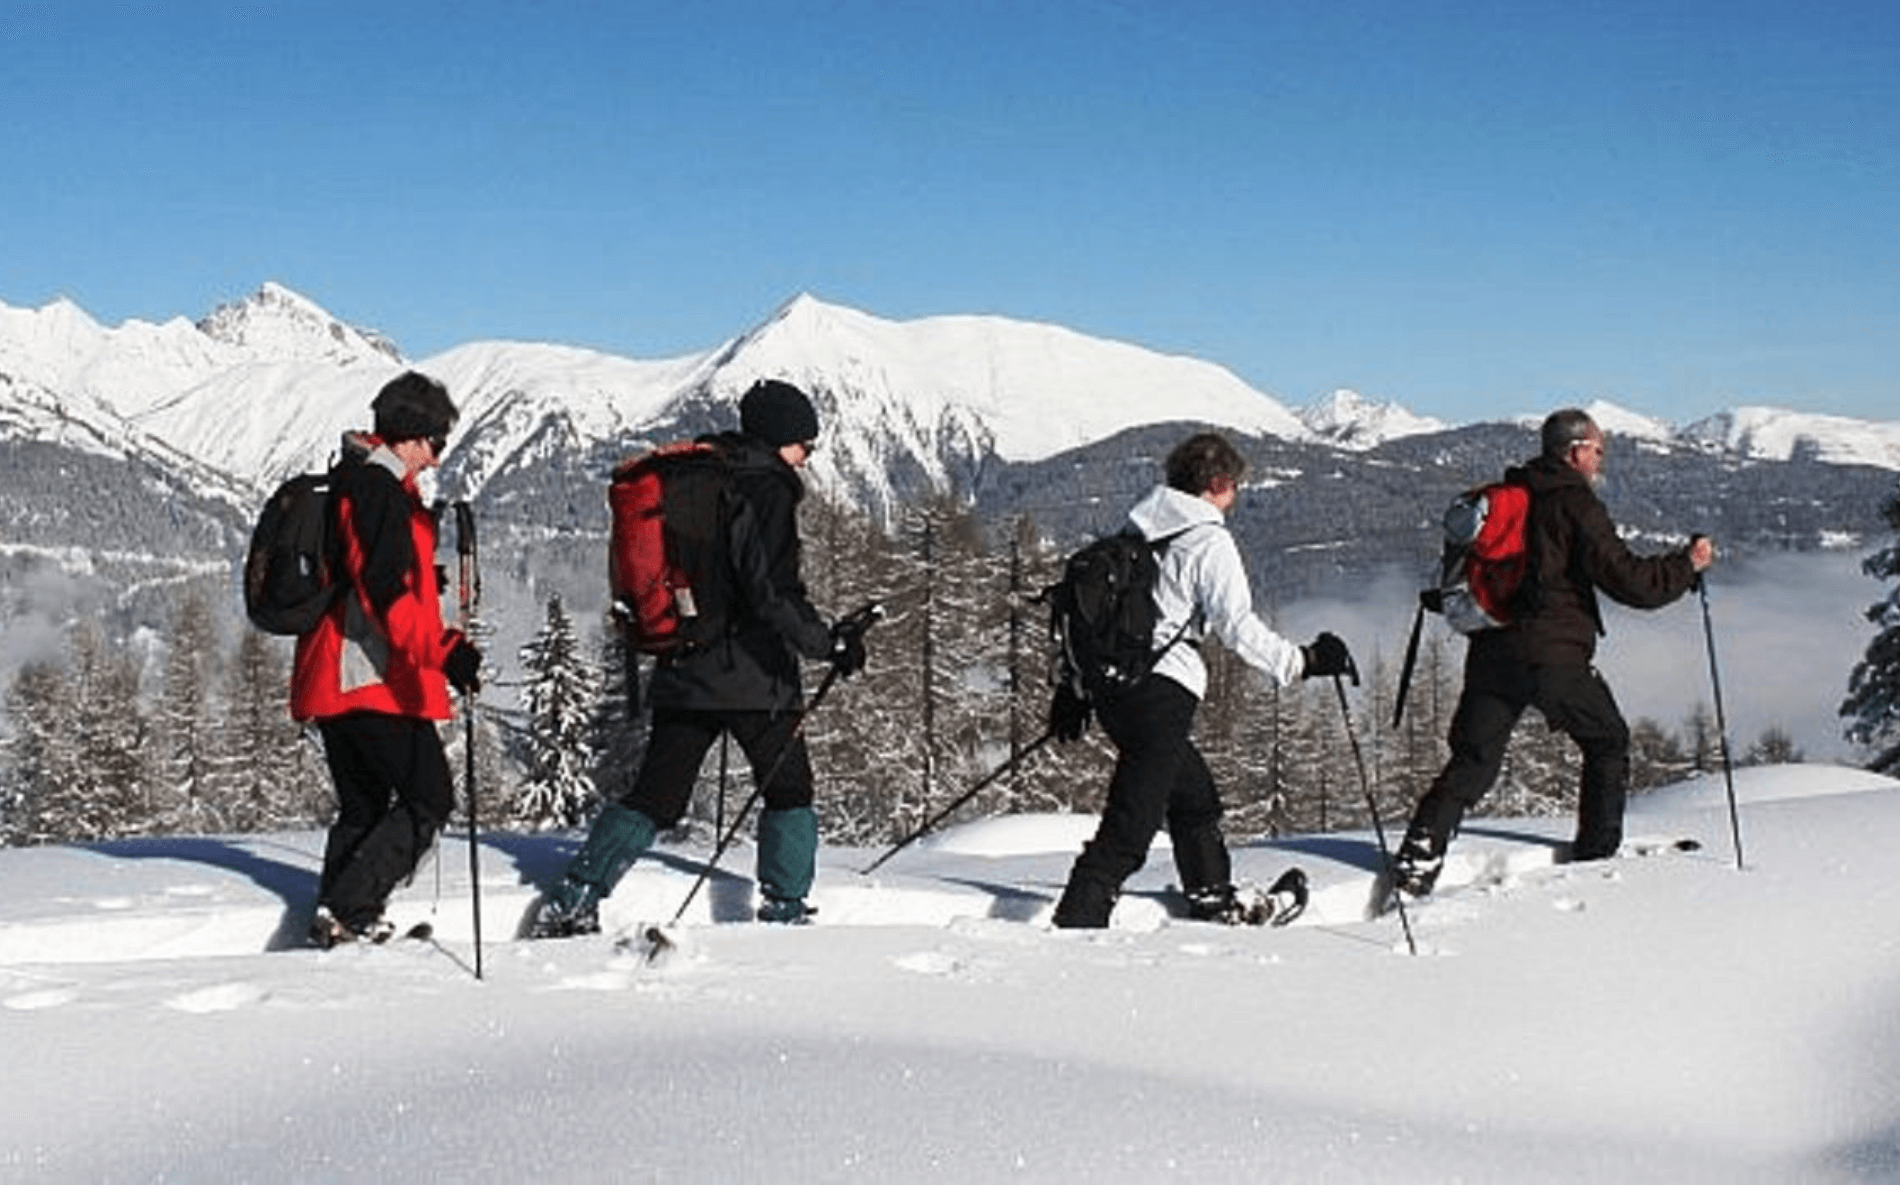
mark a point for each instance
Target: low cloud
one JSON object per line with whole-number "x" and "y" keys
{"x": 1788, "y": 629}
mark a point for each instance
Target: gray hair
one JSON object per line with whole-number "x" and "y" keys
{"x": 1564, "y": 428}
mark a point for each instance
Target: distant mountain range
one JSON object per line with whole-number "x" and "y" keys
{"x": 147, "y": 447}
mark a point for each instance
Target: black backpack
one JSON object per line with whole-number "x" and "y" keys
{"x": 291, "y": 569}
{"x": 1102, "y": 614}
{"x": 668, "y": 562}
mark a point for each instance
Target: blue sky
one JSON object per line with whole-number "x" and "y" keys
{"x": 1474, "y": 209}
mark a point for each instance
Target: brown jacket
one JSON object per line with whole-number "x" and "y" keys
{"x": 1574, "y": 552}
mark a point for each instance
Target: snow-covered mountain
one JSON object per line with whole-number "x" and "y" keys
{"x": 262, "y": 387}
{"x": 1779, "y": 434}
{"x": 1350, "y": 421}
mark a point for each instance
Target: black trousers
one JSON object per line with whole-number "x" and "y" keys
{"x": 1160, "y": 779}
{"x": 393, "y": 793}
{"x": 678, "y": 745}
{"x": 1572, "y": 698}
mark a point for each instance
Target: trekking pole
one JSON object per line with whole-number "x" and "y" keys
{"x": 1372, "y": 805}
{"x": 470, "y": 595}
{"x": 860, "y": 621}
{"x": 1721, "y": 719}
{"x": 963, "y": 799}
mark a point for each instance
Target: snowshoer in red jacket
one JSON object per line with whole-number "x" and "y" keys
{"x": 374, "y": 674}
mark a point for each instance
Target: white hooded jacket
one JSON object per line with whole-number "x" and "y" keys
{"x": 1203, "y": 586}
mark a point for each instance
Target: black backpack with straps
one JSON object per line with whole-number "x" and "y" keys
{"x": 1102, "y": 614}
{"x": 291, "y": 567}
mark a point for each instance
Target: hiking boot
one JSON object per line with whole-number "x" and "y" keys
{"x": 784, "y": 910}
{"x": 1216, "y": 904}
{"x": 327, "y": 931}
{"x": 570, "y": 909}
{"x": 1416, "y": 868}
{"x": 1086, "y": 902}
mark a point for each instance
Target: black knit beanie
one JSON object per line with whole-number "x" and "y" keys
{"x": 412, "y": 406}
{"x": 777, "y": 413}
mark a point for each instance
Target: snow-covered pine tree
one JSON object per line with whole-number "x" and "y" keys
{"x": 561, "y": 693}
{"x": 269, "y": 773}
{"x": 44, "y": 757}
{"x": 1872, "y": 706}
{"x": 619, "y": 721}
{"x": 187, "y": 799}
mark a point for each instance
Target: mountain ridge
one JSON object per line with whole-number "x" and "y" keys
{"x": 262, "y": 387}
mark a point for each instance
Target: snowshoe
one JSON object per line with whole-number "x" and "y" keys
{"x": 1283, "y": 902}
{"x": 555, "y": 918}
{"x": 785, "y": 910}
{"x": 327, "y": 931}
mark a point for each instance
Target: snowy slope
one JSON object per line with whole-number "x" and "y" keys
{"x": 1764, "y": 432}
{"x": 1660, "y": 1017}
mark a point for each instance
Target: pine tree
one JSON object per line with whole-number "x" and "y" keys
{"x": 1774, "y": 746}
{"x": 269, "y": 772}
{"x": 619, "y": 740}
{"x": 561, "y": 696}
{"x": 187, "y": 797}
{"x": 39, "y": 704}
{"x": 1872, "y": 706}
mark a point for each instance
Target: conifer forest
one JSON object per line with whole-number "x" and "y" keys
{"x": 957, "y": 687}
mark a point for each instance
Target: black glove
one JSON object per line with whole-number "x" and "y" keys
{"x": 1327, "y": 656}
{"x": 1068, "y": 714}
{"x": 847, "y": 648}
{"x": 463, "y": 667}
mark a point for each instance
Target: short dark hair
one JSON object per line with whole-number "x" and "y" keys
{"x": 1194, "y": 464}
{"x": 412, "y": 406}
{"x": 1564, "y": 428}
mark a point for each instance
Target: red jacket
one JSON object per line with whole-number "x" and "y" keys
{"x": 381, "y": 647}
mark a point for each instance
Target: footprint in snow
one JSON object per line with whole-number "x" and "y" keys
{"x": 232, "y": 995}
{"x": 934, "y": 964}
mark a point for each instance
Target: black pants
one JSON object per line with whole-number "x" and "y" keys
{"x": 1160, "y": 778}
{"x": 1572, "y": 698}
{"x": 393, "y": 793}
{"x": 678, "y": 745}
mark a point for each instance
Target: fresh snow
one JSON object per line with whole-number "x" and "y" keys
{"x": 1660, "y": 1017}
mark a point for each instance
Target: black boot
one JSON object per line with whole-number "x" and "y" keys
{"x": 1086, "y": 902}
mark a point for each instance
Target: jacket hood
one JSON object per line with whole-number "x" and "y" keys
{"x": 1165, "y": 511}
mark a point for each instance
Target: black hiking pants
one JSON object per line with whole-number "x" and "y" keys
{"x": 1160, "y": 779}
{"x": 678, "y": 745}
{"x": 1572, "y": 698}
{"x": 393, "y": 793}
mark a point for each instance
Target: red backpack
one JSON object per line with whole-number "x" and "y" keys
{"x": 668, "y": 563}
{"x": 1485, "y": 557}
{"x": 1481, "y": 572}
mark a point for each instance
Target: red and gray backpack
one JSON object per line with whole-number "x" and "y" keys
{"x": 1481, "y": 570}
{"x": 668, "y": 561}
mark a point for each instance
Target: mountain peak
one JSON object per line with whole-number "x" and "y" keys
{"x": 287, "y": 325}
{"x": 1351, "y": 421}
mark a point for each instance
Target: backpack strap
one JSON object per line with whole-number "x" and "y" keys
{"x": 1159, "y": 546}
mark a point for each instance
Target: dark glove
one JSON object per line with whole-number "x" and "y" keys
{"x": 847, "y": 648}
{"x": 463, "y": 667}
{"x": 1327, "y": 656}
{"x": 1068, "y": 714}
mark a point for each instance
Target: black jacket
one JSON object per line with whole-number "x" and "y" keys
{"x": 1574, "y": 552}
{"x": 756, "y": 665}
